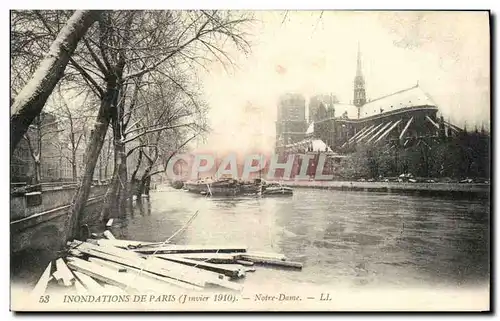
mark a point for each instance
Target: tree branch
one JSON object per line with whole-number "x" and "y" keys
{"x": 172, "y": 155}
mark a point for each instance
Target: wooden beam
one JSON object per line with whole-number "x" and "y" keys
{"x": 158, "y": 266}
{"x": 193, "y": 249}
{"x": 89, "y": 283}
{"x": 127, "y": 244}
{"x": 109, "y": 235}
{"x": 388, "y": 131}
{"x": 231, "y": 272}
{"x": 208, "y": 257}
{"x": 109, "y": 223}
{"x": 270, "y": 261}
{"x": 406, "y": 128}
{"x": 63, "y": 275}
{"x": 245, "y": 263}
{"x": 379, "y": 131}
{"x": 111, "y": 277}
{"x": 274, "y": 256}
{"x": 144, "y": 274}
{"x": 80, "y": 289}
{"x": 164, "y": 268}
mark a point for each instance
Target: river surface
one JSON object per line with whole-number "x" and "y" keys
{"x": 342, "y": 238}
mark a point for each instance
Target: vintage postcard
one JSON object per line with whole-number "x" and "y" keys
{"x": 217, "y": 160}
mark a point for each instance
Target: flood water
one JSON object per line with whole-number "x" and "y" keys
{"x": 342, "y": 238}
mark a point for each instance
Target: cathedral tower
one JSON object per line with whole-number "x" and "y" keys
{"x": 359, "y": 85}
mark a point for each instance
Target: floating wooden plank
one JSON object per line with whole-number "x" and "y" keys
{"x": 113, "y": 265}
{"x": 109, "y": 223}
{"x": 110, "y": 289}
{"x": 41, "y": 285}
{"x": 111, "y": 277}
{"x": 140, "y": 263}
{"x": 275, "y": 256}
{"x": 193, "y": 249}
{"x": 246, "y": 263}
{"x": 161, "y": 267}
{"x": 89, "y": 283}
{"x": 219, "y": 258}
{"x": 238, "y": 266}
{"x": 75, "y": 252}
{"x": 144, "y": 274}
{"x": 109, "y": 235}
{"x": 80, "y": 289}
{"x": 126, "y": 244}
{"x": 223, "y": 269}
{"x": 63, "y": 275}
{"x": 270, "y": 261}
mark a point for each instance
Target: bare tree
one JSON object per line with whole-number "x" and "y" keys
{"x": 124, "y": 51}
{"x": 76, "y": 118}
{"x": 43, "y": 129}
{"x": 30, "y": 101}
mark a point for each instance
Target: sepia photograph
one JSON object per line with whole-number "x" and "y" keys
{"x": 250, "y": 160}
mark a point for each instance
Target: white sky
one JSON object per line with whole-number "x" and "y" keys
{"x": 446, "y": 52}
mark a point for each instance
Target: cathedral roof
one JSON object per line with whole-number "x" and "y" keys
{"x": 411, "y": 97}
{"x": 341, "y": 109}
{"x": 317, "y": 145}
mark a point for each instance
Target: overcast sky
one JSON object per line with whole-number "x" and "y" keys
{"x": 310, "y": 52}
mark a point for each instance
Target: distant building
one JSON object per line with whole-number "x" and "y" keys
{"x": 335, "y": 129}
{"x": 291, "y": 124}
{"x": 405, "y": 116}
{"x": 318, "y": 106}
{"x": 42, "y": 136}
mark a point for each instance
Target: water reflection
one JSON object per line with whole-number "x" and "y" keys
{"x": 342, "y": 237}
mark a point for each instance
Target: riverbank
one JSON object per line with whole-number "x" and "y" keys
{"x": 396, "y": 187}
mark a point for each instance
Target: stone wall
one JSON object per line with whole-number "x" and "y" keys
{"x": 27, "y": 204}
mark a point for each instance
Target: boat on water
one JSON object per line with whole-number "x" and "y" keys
{"x": 276, "y": 189}
{"x": 177, "y": 184}
{"x": 227, "y": 186}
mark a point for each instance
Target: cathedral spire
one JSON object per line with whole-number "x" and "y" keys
{"x": 359, "y": 72}
{"x": 359, "y": 85}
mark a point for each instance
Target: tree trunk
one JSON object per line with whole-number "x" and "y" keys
{"x": 144, "y": 183}
{"x": 92, "y": 152}
{"x": 133, "y": 184}
{"x": 30, "y": 101}
{"x": 115, "y": 203}
{"x": 100, "y": 167}
{"x": 38, "y": 172}
{"x": 116, "y": 190}
{"x": 111, "y": 196}
{"x": 147, "y": 185}
{"x": 74, "y": 167}
{"x": 123, "y": 181}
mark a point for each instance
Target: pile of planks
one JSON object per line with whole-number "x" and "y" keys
{"x": 102, "y": 265}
